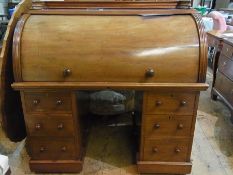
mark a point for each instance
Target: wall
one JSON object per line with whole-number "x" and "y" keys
{"x": 196, "y": 3}
{"x": 222, "y": 3}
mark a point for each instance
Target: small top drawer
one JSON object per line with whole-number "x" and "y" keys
{"x": 166, "y": 125}
{"x": 47, "y": 102}
{"x": 227, "y": 50}
{"x": 169, "y": 103}
{"x": 225, "y": 66}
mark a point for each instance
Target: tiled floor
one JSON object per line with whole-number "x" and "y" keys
{"x": 109, "y": 152}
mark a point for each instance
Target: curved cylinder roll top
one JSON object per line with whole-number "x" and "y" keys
{"x": 150, "y": 49}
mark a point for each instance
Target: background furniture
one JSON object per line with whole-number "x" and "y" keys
{"x": 223, "y": 84}
{"x": 214, "y": 40}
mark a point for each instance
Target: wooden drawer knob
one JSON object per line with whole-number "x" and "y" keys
{"x": 66, "y": 72}
{"x": 63, "y": 149}
{"x": 60, "y": 126}
{"x": 42, "y": 149}
{"x": 38, "y": 126}
{"x": 183, "y": 103}
{"x": 157, "y": 126}
{"x": 58, "y": 102}
{"x": 177, "y": 150}
{"x": 180, "y": 126}
{"x": 155, "y": 150}
{"x": 158, "y": 103}
{"x": 36, "y": 102}
{"x": 150, "y": 73}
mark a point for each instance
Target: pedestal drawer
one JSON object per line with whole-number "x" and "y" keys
{"x": 227, "y": 50}
{"x": 167, "y": 125}
{"x": 226, "y": 66}
{"x": 172, "y": 150}
{"x": 52, "y": 149}
{"x": 47, "y": 102}
{"x": 169, "y": 103}
{"x": 58, "y": 126}
{"x": 225, "y": 87}
{"x": 213, "y": 42}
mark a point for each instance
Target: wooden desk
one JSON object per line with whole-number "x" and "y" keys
{"x": 85, "y": 49}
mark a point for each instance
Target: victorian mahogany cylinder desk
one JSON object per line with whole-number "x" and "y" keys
{"x": 61, "y": 48}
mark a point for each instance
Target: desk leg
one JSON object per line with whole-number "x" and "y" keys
{"x": 215, "y": 67}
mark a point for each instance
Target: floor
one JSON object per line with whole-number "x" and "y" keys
{"x": 109, "y": 152}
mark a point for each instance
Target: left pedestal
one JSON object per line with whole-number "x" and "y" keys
{"x": 54, "y": 140}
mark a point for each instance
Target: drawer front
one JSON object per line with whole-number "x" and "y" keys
{"x": 225, "y": 87}
{"x": 225, "y": 66}
{"x": 166, "y": 125}
{"x": 50, "y": 126}
{"x": 213, "y": 42}
{"x": 227, "y": 50}
{"x": 119, "y": 70}
{"x": 47, "y": 102}
{"x": 172, "y": 150}
{"x": 169, "y": 103}
{"x": 52, "y": 149}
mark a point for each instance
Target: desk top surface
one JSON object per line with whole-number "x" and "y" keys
{"x": 226, "y": 36}
{"x": 221, "y": 35}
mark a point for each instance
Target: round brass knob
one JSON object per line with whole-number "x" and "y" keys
{"x": 158, "y": 103}
{"x": 177, "y": 150}
{"x": 58, "y": 102}
{"x": 150, "y": 73}
{"x": 36, "y": 102}
{"x": 38, "y": 126}
{"x": 157, "y": 126}
{"x": 183, "y": 103}
{"x": 155, "y": 150}
{"x": 180, "y": 126}
{"x": 63, "y": 149}
{"x": 60, "y": 126}
{"x": 66, "y": 72}
{"x": 42, "y": 149}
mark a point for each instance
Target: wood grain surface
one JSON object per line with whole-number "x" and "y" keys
{"x": 94, "y": 53}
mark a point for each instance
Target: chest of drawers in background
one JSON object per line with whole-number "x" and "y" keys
{"x": 223, "y": 85}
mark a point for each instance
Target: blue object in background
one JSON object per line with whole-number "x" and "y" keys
{"x": 11, "y": 11}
